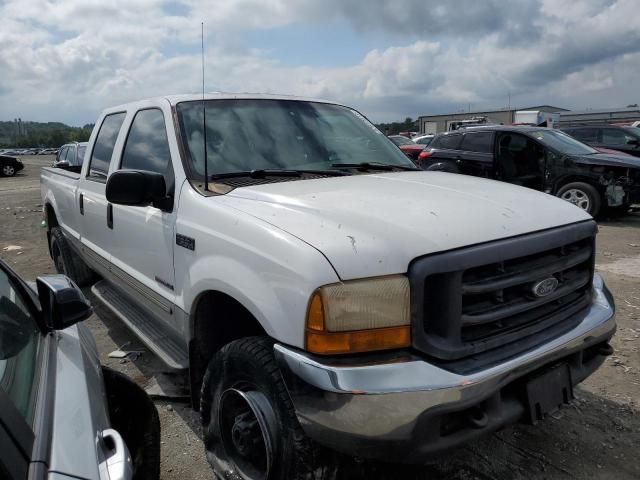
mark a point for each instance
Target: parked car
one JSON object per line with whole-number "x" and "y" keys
{"x": 424, "y": 139}
{"x": 323, "y": 293}
{"x": 624, "y": 139}
{"x": 408, "y": 147}
{"x": 71, "y": 156}
{"x": 9, "y": 166}
{"x": 48, "y": 151}
{"x": 544, "y": 159}
{"x": 61, "y": 415}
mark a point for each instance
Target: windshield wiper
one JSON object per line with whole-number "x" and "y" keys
{"x": 374, "y": 166}
{"x": 263, "y": 173}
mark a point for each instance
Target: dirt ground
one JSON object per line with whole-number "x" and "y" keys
{"x": 598, "y": 436}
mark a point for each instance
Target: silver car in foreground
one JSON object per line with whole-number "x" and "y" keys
{"x": 61, "y": 414}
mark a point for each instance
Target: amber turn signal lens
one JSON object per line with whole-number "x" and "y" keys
{"x": 325, "y": 343}
{"x": 315, "y": 317}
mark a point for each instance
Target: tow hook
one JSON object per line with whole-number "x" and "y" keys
{"x": 478, "y": 418}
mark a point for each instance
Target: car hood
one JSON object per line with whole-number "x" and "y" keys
{"x": 369, "y": 225}
{"x": 608, "y": 159}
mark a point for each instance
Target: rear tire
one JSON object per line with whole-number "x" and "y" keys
{"x": 278, "y": 447}
{"x": 583, "y": 196}
{"x": 67, "y": 262}
{"x": 8, "y": 171}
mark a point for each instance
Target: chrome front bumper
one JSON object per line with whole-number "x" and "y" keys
{"x": 400, "y": 407}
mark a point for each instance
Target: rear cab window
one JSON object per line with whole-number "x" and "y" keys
{"x": 103, "y": 146}
{"x": 481, "y": 142}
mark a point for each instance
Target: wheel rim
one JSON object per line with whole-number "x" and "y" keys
{"x": 8, "y": 170}
{"x": 57, "y": 258}
{"x": 247, "y": 427}
{"x": 578, "y": 197}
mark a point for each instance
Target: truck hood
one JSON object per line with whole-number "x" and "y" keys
{"x": 609, "y": 160}
{"x": 369, "y": 225}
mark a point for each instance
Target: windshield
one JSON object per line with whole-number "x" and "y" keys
{"x": 562, "y": 142}
{"x": 253, "y": 134}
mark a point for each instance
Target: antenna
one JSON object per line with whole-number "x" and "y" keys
{"x": 204, "y": 115}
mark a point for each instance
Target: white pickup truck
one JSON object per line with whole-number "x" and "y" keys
{"x": 323, "y": 294}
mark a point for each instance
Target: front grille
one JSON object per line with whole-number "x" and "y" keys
{"x": 477, "y": 299}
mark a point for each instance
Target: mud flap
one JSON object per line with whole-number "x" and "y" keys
{"x": 548, "y": 392}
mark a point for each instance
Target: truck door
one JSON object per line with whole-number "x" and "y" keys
{"x": 476, "y": 154}
{"x": 95, "y": 233}
{"x": 142, "y": 252}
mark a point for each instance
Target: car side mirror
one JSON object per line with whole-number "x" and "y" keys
{"x": 63, "y": 303}
{"x": 136, "y": 188}
{"x": 61, "y": 164}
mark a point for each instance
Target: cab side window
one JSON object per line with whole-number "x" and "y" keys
{"x": 147, "y": 145}
{"x": 19, "y": 343}
{"x": 104, "y": 145}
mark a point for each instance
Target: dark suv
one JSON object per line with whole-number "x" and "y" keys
{"x": 624, "y": 139}
{"x": 544, "y": 159}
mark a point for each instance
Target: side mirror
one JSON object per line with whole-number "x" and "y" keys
{"x": 61, "y": 164}
{"x": 63, "y": 303}
{"x": 135, "y": 187}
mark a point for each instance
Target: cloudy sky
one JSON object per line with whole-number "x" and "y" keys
{"x": 67, "y": 60}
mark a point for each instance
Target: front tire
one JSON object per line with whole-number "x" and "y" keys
{"x": 249, "y": 424}
{"x": 67, "y": 262}
{"x": 583, "y": 196}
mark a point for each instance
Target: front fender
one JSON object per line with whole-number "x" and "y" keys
{"x": 267, "y": 270}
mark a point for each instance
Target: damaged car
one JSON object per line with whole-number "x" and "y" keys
{"x": 544, "y": 159}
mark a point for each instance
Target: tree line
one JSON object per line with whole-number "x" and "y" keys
{"x": 41, "y": 135}
{"x": 393, "y": 128}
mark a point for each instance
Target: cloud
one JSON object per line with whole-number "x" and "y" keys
{"x": 68, "y": 60}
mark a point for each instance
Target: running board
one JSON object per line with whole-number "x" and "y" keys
{"x": 141, "y": 323}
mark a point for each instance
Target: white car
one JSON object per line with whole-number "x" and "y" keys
{"x": 321, "y": 291}
{"x": 424, "y": 139}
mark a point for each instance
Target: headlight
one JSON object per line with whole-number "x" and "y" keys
{"x": 359, "y": 316}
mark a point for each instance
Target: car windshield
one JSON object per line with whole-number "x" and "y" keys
{"x": 399, "y": 140}
{"x": 256, "y": 134}
{"x": 562, "y": 142}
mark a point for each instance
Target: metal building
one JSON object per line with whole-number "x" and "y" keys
{"x": 600, "y": 116}
{"x": 440, "y": 123}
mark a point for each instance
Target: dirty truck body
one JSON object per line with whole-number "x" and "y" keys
{"x": 407, "y": 312}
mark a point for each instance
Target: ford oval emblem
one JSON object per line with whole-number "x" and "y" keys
{"x": 545, "y": 287}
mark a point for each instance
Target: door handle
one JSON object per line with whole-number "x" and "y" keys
{"x": 118, "y": 459}
{"x": 81, "y": 201}
{"x": 110, "y": 216}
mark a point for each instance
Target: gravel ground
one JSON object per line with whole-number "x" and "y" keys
{"x": 598, "y": 436}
